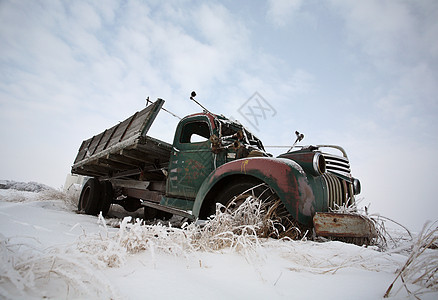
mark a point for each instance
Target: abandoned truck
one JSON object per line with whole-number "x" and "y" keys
{"x": 215, "y": 160}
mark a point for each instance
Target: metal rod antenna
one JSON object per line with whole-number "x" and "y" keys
{"x": 193, "y": 94}
{"x": 169, "y": 112}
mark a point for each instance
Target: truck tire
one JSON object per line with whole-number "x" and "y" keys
{"x": 90, "y": 197}
{"x": 106, "y": 197}
{"x": 242, "y": 190}
{"x": 238, "y": 192}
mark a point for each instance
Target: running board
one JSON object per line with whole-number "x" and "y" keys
{"x": 168, "y": 209}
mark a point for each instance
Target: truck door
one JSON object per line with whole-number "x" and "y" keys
{"x": 191, "y": 158}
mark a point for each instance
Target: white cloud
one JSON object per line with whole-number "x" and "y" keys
{"x": 281, "y": 11}
{"x": 85, "y": 15}
{"x": 378, "y": 26}
{"x": 398, "y": 40}
{"x": 391, "y": 32}
{"x": 84, "y": 67}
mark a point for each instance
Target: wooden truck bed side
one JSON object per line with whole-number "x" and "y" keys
{"x": 125, "y": 148}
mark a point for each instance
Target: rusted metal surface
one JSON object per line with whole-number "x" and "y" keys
{"x": 343, "y": 225}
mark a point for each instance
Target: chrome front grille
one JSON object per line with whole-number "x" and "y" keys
{"x": 336, "y": 190}
{"x": 337, "y": 165}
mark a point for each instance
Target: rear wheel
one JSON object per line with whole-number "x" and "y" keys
{"x": 106, "y": 197}
{"x": 90, "y": 197}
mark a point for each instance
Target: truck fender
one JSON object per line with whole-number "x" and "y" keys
{"x": 284, "y": 176}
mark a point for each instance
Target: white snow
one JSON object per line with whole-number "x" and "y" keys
{"x": 50, "y": 251}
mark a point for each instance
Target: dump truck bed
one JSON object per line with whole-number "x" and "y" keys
{"x": 124, "y": 149}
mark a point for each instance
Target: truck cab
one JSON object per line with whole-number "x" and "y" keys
{"x": 197, "y": 152}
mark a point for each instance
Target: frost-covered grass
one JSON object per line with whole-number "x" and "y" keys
{"x": 29, "y": 272}
{"x": 421, "y": 267}
{"x": 419, "y": 274}
{"x": 23, "y": 186}
{"x": 238, "y": 231}
{"x": 12, "y": 191}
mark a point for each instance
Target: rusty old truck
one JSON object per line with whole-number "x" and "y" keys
{"x": 215, "y": 160}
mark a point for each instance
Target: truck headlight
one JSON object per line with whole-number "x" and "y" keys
{"x": 356, "y": 186}
{"x": 319, "y": 163}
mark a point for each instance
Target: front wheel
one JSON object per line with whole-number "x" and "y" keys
{"x": 234, "y": 195}
{"x": 279, "y": 223}
{"x": 90, "y": 197}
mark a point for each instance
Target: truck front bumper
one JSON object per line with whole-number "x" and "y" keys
{"x": 343, "y": 225}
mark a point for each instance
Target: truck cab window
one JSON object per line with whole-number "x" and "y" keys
{"x": 195, "y": 132}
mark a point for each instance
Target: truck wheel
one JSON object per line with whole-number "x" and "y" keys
{"x": 234, "y": 195}
{"x": 90, "y": 197}
{"x": 106, "y": 197}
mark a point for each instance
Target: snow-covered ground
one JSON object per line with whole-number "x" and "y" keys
{"x": 47, "y": 250}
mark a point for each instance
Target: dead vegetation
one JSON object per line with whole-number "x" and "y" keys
{"x": 239, "y": 230}
{"x": 27, "y": 192}
{"x": 421, "y": 267}
{"x": 419, "y": 274}
{"x": 70, "y": 197}
{"x": 27, "y": 270}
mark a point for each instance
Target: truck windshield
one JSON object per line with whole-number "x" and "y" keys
{"x": 230, "y": 128}
{"x": 195, "y": 132}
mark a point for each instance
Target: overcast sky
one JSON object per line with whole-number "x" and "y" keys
{"x": 361, "y": 74}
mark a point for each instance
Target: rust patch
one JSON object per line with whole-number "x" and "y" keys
{"x": 275, "y": 169}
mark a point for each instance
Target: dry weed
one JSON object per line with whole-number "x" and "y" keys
{"x": 30, "y": 272}
{"x": 70, "y": 197}
{"x": 238, "y": 230}
{"x": 421, "y": 267}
